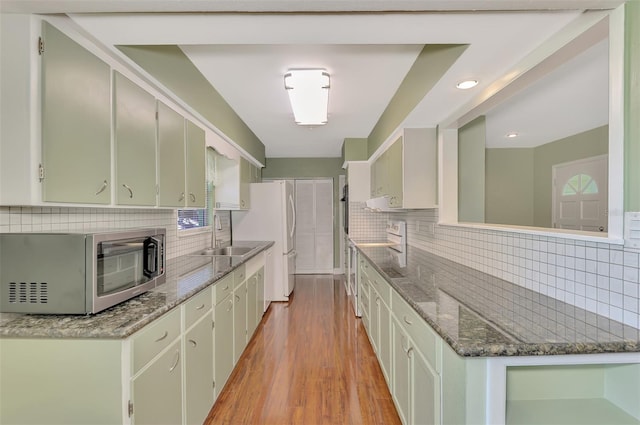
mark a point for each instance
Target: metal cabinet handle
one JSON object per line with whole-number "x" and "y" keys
{"x": 230, "y": 305}
{"x": 175, "y": 363}
{"x": 242, "y": 203}
{"x": 129, "y": 189}
{"x": 201, "y": 307}
{"x": 237, "y": 298}
{"x": 192, "y": 196}
{"x": 181, "y": 197}
{"x": 193, "y": 343}
{"x": 164, "y": 335}
{"x": 226, "y": 288}
{"x": 102, "y": 188}
{"x": 407, "y": 321}
{"x": 409, "y": 351}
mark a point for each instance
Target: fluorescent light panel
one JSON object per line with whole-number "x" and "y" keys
{"x": 308, "y": 91}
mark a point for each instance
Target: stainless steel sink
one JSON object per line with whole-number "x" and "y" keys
{"x": 233, "y": 251}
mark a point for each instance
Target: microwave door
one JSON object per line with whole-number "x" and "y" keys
{"x": 151, "y": 258}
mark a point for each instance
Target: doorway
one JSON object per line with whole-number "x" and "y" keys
{"x": 314, "y": 227}
{"x": 580, "y": 194}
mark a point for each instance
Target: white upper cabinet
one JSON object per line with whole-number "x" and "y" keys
{"x": 76, "y": 122}
{"x": 135, "y": 143}
{"x": 406, "y": 172}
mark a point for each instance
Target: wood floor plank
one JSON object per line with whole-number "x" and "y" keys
{"x": 309, "y": 362}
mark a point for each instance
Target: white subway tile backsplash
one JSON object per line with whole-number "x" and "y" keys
{"x": 563, "y": 268}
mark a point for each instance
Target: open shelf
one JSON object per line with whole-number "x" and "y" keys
{"x": 573, "y": 394}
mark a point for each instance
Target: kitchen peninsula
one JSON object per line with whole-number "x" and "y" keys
{"x": 448, "y": 336}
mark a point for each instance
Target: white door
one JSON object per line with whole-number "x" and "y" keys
{"x": 314, "y": 226}
{"x": 580, "y": 194}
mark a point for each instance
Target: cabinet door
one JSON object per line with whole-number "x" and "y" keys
{"x": 425, "y": 391}
{"x": 252, "y": 301}
{"x": 384, "y": 344}
{"x": 374, "y": 331}
{"x": 76, "y": 122}
{"x": 157, "y": 391}
{"x": 260, "y": 296}
{"x": 394, "y": 174}
{"x": 245, "y": 180}
{"x": 135, "y": 143}
{"x": 171, "y": 177}
{"x": 223, "y": 346}
{"x": 196, "y": 180}
{"x": 239, "y": 321}
{"x": 401, "y": 371}
{"x": 198, "y": 371}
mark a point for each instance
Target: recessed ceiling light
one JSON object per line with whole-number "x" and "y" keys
{"x": 511, "y": 135}
{"x": 467, "y": 84}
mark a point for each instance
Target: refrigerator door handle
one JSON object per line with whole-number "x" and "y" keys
{"x": 293, "y": 211}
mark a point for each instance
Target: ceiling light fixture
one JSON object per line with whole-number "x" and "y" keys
{"x": 467, "y": 84}
{"x": 511, "y": 135}
{"x": 308, "y": 91}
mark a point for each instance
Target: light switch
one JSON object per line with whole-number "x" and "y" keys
{"x": 632, "y": 229}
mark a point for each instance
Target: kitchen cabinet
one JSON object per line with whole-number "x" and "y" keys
{"x": 198, "y": 389}
{"x": 58, "y": 149}
{"x": 196, "y": 166}
{"x": 394, "y": 174}
{"x": 252, "y": 304}
{"x": 171, "y": 157}
{"x": 135, "y": 138}
{"x": 245, "y": 179}
{"x": 76, "y": 122}
{"x": 223, "y": 334}
{"x": 157, "y": 390}
{"x": 406, "y": 172}
{"x": 239, "y": 320}
{"x": 232, "y": 183}
{"x": 260, "y": 298}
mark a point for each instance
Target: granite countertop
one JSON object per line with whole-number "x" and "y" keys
{"x": 481, "y": 315}
{"x": 185, "y": 277}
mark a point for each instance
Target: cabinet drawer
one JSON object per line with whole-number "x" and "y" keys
{"x": 380, "y": 284}
{"x": 239, "y": 275}
{"x": 196, "y": 307}
{"x": 222, "y": 288}
{"x": 152, "y": 339}
{"x": 425, "y": 338}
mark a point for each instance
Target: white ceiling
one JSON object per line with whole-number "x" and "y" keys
{"x": 244, "y": 56}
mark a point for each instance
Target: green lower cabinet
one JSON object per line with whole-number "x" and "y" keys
{"x": 223, "y": 343}
{"x": 401, "y": 371}
{"x": 239, "y": 320}
{"x": 157, "y": 390}
{"x": 198, "y": 349}
{"x": 252, "y": 304}
{"x": 425, "y": 391}
{"x": 384, "y": 346}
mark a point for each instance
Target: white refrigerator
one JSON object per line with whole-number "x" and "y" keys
{"x": 272, "y": 217}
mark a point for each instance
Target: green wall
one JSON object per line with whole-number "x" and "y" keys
{"x": 174, "y": 69}
{"x": 471, "y": 171}
{"x": 429, "y": 67}
{"x": 300, "y": 168}
{"x": 583, "y": 145}
{"x": 632, "y": 107}
{"x": 509, "y": 186}
{"x": 354, "y": 149}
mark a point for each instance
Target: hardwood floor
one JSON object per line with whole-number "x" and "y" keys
{"x": 309, "y": 362}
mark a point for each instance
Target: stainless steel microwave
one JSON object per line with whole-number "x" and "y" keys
{"x": 78, "y": 273}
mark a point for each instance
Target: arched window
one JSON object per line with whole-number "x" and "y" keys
{"x": 580, "y": 184}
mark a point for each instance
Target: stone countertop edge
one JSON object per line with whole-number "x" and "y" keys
{"x": 126, "y": 318}
{"x": 497, "y": 349}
